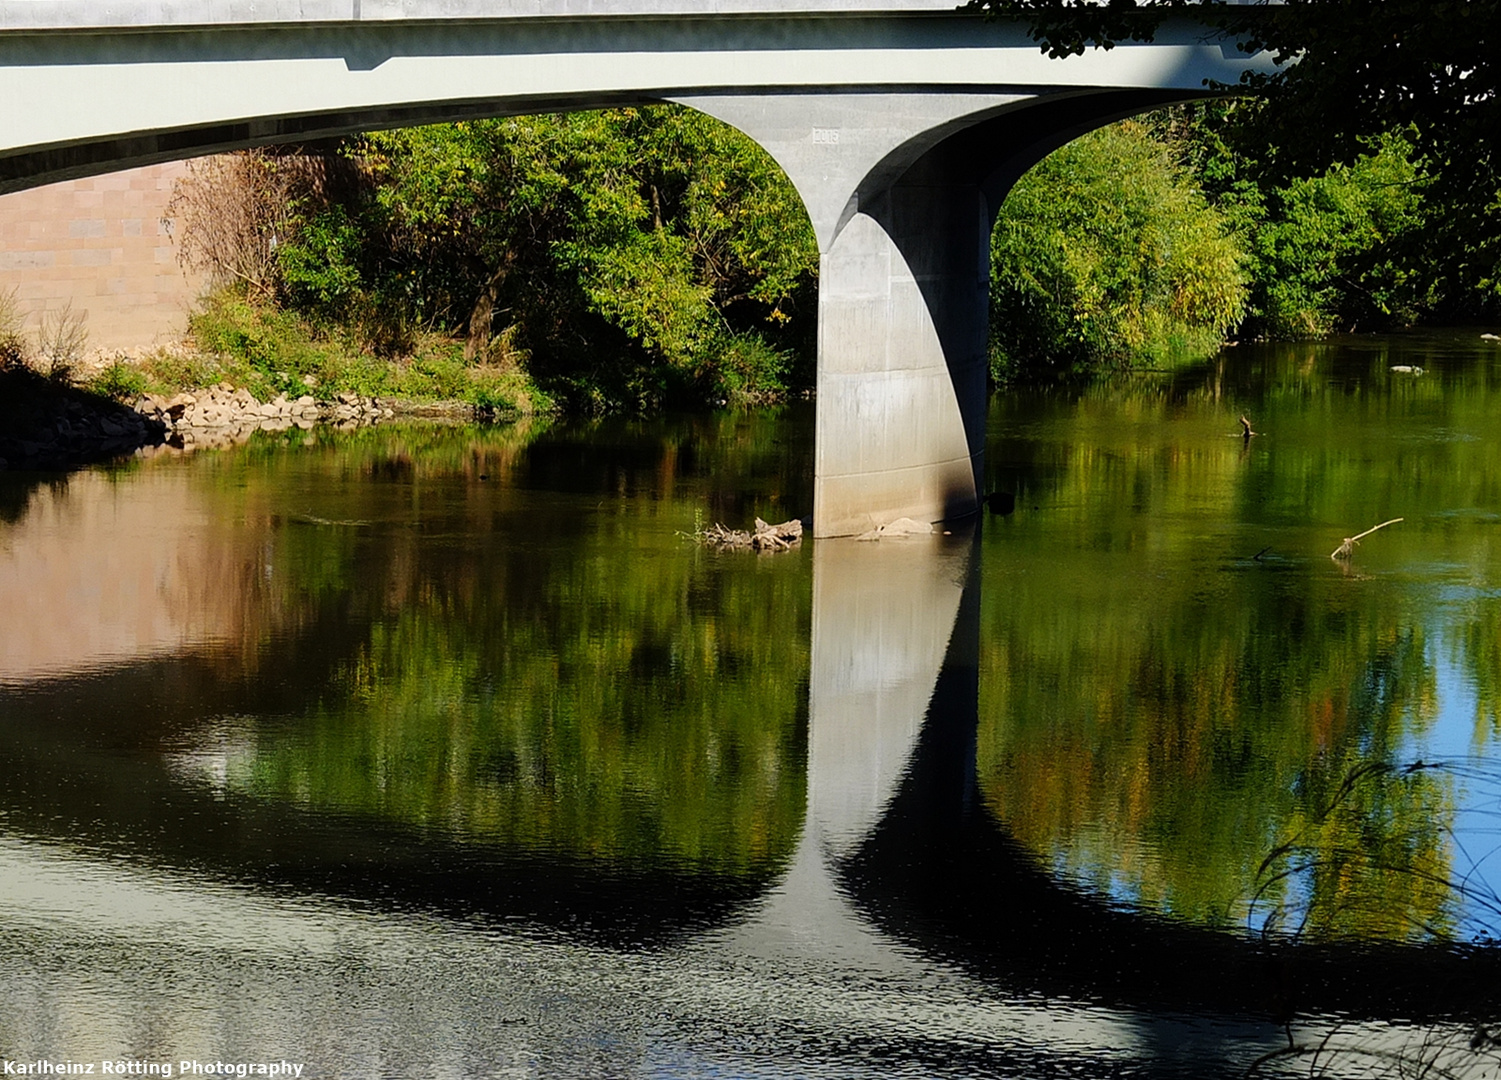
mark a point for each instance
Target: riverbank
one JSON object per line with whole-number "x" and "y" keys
{"x": 240, "y": 369}
{"x": 49, "y": 424}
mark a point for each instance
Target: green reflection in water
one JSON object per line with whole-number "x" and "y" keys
{"x": 538, "y": 658}
{"x": 1185, "y": 704}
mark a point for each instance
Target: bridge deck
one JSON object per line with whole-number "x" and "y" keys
{"x": 100, "y": 14}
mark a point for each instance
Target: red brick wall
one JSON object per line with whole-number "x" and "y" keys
{"x": 104, "y": 245}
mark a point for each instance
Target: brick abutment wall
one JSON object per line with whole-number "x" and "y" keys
{"x": 104, "y": 246}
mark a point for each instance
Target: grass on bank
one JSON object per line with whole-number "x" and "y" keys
{"x": 270, "y": 352}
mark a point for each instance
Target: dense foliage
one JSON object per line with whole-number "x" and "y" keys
{"x": 1106, "y": 254}
{"x": 1366, "y": 72}
{"x": 270, "y": 350}
{"x": 1347, "y": 70}
{"x": 1356, "y": 245}
{"x": 631, "y": 257}
{"x": 1151, "y": 240}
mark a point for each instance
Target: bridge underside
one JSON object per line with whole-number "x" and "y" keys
{"x": 901, "y": 132}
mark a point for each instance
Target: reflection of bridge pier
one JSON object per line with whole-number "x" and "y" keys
{"x": 893, "y": 705}
{"x": 903, "y": 926}
{"x": 883, "y": 618}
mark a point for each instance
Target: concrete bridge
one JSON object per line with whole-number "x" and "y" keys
{"x": 902, "y": 124}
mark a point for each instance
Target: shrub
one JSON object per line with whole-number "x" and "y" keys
{"x": 273, "y": 351}
{"x": 60, "y": 340}
{"x": 169, "y": 371}
{"x": 745, "y": 368}
{"x": 319, "y": 261}
{"x": 1106, "y": 255}
{"x": 269, "y": 350}
{"x": 13, "y": 350}
{"x": 119, "y": 381}
{"x": 235, "y": 210}
{"x": 1336, "y": 251}
{"x": 506, "y": 395}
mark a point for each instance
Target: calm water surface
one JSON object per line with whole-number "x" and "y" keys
{"x": 441, "y": 752}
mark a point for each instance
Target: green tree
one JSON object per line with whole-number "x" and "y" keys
{"x": 1350, "y": 74}
{"x": 1341, "y": 250}
{"x": 1350, "y": 247}
{"x": 1106, "y": 254}
{"x": 320, "y": 267}
{"x": 635, "y": 254}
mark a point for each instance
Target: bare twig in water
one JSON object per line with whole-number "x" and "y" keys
{"x": 1345, "y": 550}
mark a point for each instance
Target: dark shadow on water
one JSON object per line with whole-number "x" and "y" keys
{"x": 49, "y": 426}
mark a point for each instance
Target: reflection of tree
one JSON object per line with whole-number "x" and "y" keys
{"x": 612, "y": 722}
{"x": 1477, "y": 643}
{"x": 1368, "y": 854}
{"x": 538, "y": 671}
{"x": 1180, "y": 725}
{"x": 1163, "y": 764}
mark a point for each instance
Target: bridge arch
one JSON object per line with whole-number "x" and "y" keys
{"x": 904, "y": 278}
{"x": 901, "y": 123}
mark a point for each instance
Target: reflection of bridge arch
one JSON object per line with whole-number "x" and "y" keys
{"x": 916, "y": 860}
{"x": 904, "y": 914}
{"x": 902, "y": 124}
{"x": 177, "y": 642}
{"x": 71, "y": 781}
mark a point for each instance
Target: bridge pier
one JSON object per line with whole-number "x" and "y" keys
{"x": 903, "y": 276}
{"x": 901, "y": 360}
{"x": 902, "y": 191}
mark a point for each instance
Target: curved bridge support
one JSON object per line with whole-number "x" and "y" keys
{"x": 903, "y": 190}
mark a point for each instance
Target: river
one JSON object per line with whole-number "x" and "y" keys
{"x": 446, "y": 752}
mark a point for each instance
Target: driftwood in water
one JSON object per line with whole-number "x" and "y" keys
{"x": 1347, "y": 549}
{"x": 765, "y": 537}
